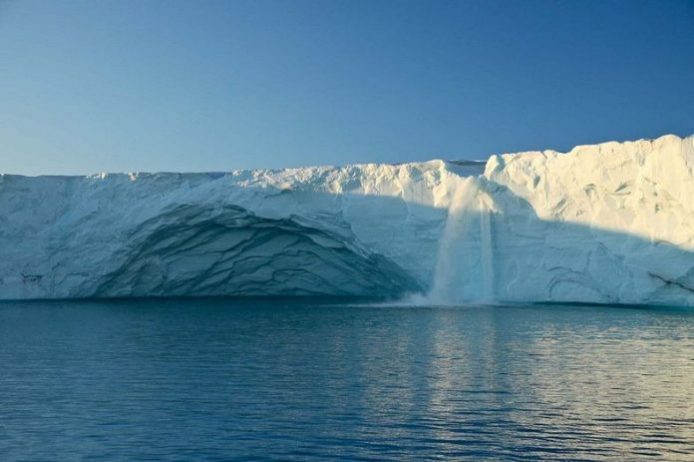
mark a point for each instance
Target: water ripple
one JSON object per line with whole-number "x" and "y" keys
{"x": 230, "y": 380}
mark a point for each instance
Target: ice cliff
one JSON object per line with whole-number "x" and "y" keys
{"x": 606, "y": 223}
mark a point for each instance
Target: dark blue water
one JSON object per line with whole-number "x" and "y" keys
{"x": 226, "y": 380}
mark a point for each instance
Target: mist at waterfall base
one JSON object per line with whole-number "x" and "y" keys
{"x": 226, "y": 379}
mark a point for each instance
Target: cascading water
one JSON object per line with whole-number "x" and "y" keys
{"x": 465, "y": 270}
{"x": 444, "y": 287}
{"x": 486, "y": 250}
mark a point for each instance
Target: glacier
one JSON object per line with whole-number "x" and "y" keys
{"x": 606, "y": 223}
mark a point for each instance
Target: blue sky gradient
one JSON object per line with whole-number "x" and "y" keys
{"x": 214, "y": 86}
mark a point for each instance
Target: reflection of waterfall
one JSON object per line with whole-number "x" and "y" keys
{"x": 465, "y": 269}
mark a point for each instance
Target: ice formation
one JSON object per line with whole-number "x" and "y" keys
{"x": 609, "y": 223}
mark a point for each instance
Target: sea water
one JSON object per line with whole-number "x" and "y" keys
{"x": 297, "y": 380}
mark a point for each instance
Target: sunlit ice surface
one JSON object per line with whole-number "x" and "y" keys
{"x": 295, "y": 380}
{"x": 607, "y": 223}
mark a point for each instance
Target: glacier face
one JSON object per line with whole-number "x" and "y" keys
{"x": 610, "y": 223}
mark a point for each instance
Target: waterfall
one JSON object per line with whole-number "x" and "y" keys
{"x": 486, "y": 252}
{"x": 465, "y": 268}
{"x": 443, "y": 288}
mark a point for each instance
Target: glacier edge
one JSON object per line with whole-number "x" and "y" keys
{"x": 607, "y": 223}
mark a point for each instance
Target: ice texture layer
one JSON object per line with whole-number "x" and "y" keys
{"x": 610, "y": 223}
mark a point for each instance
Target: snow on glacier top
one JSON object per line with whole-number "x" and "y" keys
{"x": 608, "y": 222}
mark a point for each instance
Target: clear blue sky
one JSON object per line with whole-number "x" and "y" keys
{"x": 89, "y": 86}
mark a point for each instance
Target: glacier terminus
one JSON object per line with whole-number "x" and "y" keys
{"x": 606, "y": 223}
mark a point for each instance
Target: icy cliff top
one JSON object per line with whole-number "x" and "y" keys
{"x": 612, "y": 222}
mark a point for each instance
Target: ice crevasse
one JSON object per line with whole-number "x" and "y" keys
{"x": 606, "y": 223}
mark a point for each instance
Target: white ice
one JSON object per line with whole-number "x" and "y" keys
{"x": 610, "y": 223}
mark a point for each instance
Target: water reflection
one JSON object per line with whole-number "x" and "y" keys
{"x": 219, "y": 379}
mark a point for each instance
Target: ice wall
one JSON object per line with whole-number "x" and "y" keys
{"x": 607, "y": 223}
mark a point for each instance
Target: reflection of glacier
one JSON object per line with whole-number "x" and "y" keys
{"x": 606, "y": 223}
